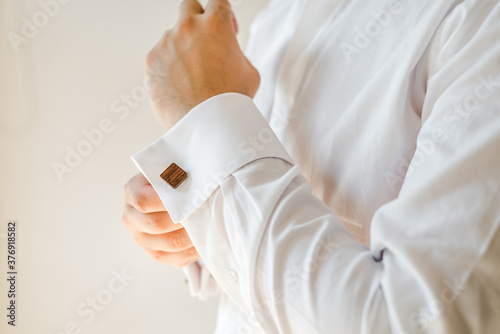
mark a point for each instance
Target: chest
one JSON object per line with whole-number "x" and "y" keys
{"x": 343, "y": 83}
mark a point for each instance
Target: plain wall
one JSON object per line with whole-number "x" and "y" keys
{"x": 62, "y": 82}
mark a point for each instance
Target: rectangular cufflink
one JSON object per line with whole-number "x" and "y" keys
{"x": 174, "y": 175}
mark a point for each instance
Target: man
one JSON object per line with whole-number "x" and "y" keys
{"x": 390, "y": 108}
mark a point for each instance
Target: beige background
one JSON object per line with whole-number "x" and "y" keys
{"x": 70, "y": 238}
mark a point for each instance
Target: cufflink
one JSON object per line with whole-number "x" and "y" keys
{"x": 174, "y": 175}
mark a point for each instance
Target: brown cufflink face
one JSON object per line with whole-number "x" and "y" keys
{"x": 174, "y": 175}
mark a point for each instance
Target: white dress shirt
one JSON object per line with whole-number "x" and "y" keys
{"x": 359, "y": 191}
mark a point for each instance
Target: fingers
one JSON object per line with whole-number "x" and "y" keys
{"x": 151, "y": 223}
{"x": 220, "y": 11}
{"x": 141, "y": 195}
{"x": 218, "y": 5}
{"x": 179, "y": 259}
{"x": 175, "y": 241}
{"x": 152, "y": 228}
{"x": 190, "y": 7}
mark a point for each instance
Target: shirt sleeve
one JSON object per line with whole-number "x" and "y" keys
{"x": 284, "y": 257}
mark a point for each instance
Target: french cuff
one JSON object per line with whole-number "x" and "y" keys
{"x": 215, "y": 139}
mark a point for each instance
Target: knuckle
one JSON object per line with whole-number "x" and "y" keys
{"x": 157, "y": 256}
{"x": 165, "y": 40}
{"x": 190, "y": 256}
{"x": 150, "y": 224}
{"x": 222, "y": 7}
{"x": 221, "y": 13}
{"x": 214, "y": 19}
{"x": 155, "y": 224}
{"x": 126, "y": 188}
{"x": 150, "y": 59}
{"x": 125, "y": 220}
{"x": 178, "y": 241}
{"x": 141, "y": 201}
{"x": 193, "y": 254}
{"x": 255, "y": 74}
{"x": 181, "y": 262}
{"x": 176, "y": 264}
{"x": 137, "y": 239}
{"x": 186, "y": 25}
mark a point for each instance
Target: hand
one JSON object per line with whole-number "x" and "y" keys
{"x": 197, "y": 59}
{"x": 152, "y": 228}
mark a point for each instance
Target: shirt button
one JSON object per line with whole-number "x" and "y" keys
{"x": 231, "y": 276}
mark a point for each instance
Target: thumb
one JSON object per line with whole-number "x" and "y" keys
{"x": 223, "y": 7}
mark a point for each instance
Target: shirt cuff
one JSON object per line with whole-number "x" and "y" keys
{"x": 215, "y": 139}
{"x": 202, "y": 284}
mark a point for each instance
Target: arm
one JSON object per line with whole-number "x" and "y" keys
{"x": 152, "y": 229}
{"x": 283, "y": 256}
